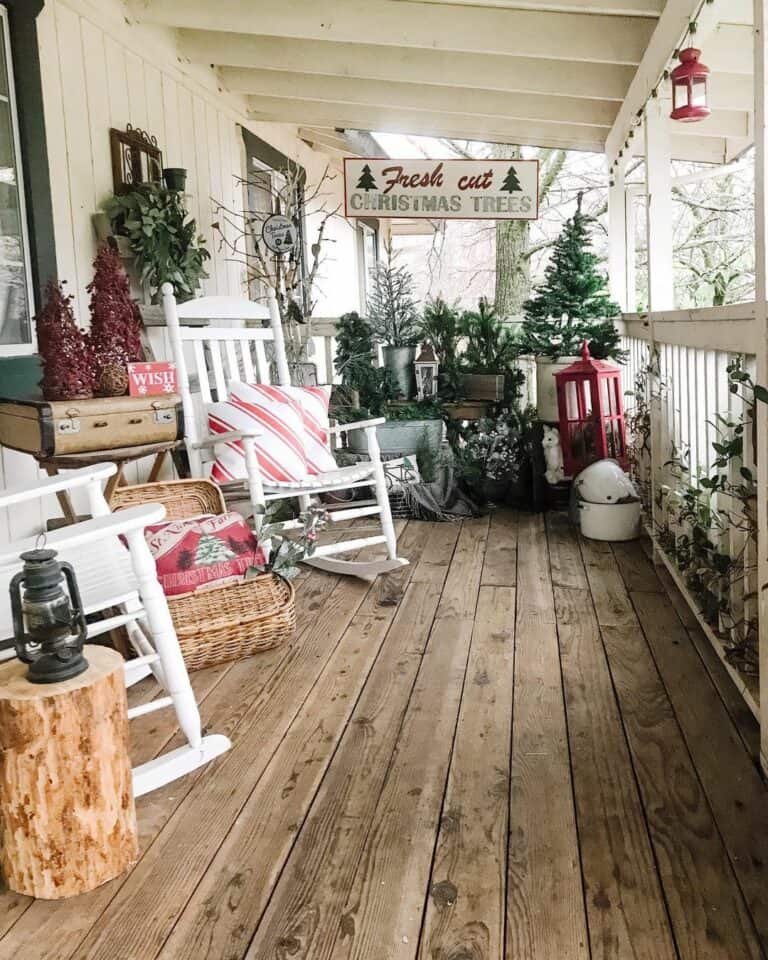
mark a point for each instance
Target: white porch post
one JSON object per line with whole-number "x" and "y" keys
{"x": 761, "y": 266}
{"x": 661, "y": 294}
{"x": 658, "y": 173}
{"x": 617, "y": 238}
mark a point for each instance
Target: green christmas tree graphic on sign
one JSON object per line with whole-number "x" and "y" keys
{"x": 210, "y": 549}
{"x": 366, "y": 181}
{"x": 511, "y": 183}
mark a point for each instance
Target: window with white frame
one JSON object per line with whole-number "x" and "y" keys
{"x": 368, "y": 256}
{"x": 15, "y": 274}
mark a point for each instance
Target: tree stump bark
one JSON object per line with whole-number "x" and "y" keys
{"x": 67, "y": 815}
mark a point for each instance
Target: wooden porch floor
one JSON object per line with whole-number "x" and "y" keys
{"x": 520, "y": 746}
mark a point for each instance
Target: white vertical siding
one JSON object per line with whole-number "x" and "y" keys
{"x": 100, "y": 69}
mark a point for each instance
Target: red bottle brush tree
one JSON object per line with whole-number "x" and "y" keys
{"x": 64, "y": 349}
{"x": 115, "y": 323}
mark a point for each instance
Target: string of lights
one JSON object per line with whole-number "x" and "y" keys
{"x": 637, "y": 120}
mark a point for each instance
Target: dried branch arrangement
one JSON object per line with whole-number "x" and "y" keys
{"x": 295, "y": 274}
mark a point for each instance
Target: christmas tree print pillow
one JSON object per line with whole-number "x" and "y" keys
{"x": 311, "y": 403}
{"x": 279, "y": 446}
{"x": 202, "y": 553}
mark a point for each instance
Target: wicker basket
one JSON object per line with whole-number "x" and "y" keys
{"x": 225, "y": 623}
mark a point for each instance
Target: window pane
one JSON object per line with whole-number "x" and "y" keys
{"x": 14, "y": 290}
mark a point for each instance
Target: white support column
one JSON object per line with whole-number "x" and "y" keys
{"x": 617, "y": 238}
{"x": 761, "y": 313}
{"x": 661, "y": 294}
{"x": 658, "y": 172}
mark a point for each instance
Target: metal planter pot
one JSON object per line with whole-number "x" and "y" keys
{"x": 399, "y": 361}
{"x": 400, "y": 437}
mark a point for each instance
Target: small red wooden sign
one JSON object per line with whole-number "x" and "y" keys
{"x": 148, "y": 379}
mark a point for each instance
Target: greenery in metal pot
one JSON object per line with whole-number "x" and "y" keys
{"x": 163, "y": 237}
{"x": 392, "y": 311}
{"x": 354, "y": 363}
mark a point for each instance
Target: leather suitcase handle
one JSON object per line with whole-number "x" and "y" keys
{"x": 100, "y": 423}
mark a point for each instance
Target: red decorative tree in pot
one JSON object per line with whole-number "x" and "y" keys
{"x": 64, "y": 349}
{"x": 115, "y": 324}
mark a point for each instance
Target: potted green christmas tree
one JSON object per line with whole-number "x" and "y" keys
{"x": 394, "y": 320}
{"x": 570, "y": 306}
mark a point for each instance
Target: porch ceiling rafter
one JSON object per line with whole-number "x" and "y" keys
{"x": 366, "y": 61}
{"x": 455, "y": 125}
{"x": 485, "y": 30}
{"x": 627, "y": 8}
{"x": 430, "y": 97}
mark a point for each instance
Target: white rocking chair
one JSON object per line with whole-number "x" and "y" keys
{"x": 111, "y": 576}
{"x": 240, "y": 351}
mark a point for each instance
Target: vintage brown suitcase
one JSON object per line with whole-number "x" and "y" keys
{"x": 57, "y": 428}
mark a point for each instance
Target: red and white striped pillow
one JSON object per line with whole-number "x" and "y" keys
{"x": 279, "y": 448}
{"x": 312, "y": 403}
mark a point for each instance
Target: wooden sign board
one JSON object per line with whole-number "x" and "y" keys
{"x": 150, "y": 379}
{"x": 441, "y": 189}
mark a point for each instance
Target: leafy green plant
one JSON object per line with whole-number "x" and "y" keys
{"x": 494, "y": 447}
{"x": 392, "y": 311}
{"x": 162, "y": 236}
{"x": 490, "y": 345}
{"x": 283, "y": 554}
{"x": 441, "y": 326}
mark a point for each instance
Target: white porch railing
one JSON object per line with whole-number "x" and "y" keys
{"x": 679, "y": 405}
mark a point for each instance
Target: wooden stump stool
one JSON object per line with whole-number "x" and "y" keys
{"x": 67, "y": 817}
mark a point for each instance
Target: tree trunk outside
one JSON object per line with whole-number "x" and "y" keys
{"x": 513, "y": 267}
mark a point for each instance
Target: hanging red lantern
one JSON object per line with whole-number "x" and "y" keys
{"x": 589, "y": 403}
{"x": 689, "y": 87}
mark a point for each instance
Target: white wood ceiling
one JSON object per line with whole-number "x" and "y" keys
{"x": 562, "y": 73}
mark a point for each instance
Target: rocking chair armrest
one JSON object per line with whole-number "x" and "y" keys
{"x": 70, "y": 480}
{"x": 128, "y": 520}
{"x": 358, "y": 425}
{"x": 227, "y": 437}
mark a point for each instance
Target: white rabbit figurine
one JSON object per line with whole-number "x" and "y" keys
{"x": 553, "y": 455}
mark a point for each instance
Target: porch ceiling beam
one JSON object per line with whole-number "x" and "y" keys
{"x": 671, "y": 27}
{"x": 487, "y": 103}
{"x": 488, "y": 30}
{"x": 367, "y": 61}
{"x": 425, "y": 123}
{"x": 700, "y": 149}
{"x": 731, "y": 91}
{"x": 626, "y": 8}
{"x": 730, "y": 49}
{"x": 721, "y": 123}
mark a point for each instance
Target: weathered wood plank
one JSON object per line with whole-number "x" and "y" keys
{"x": 309, "y": 908}
{"x": 166, "y": 875}
{"x": 466, "y": 907}
{"x": 383, "y": 910}
{"x": 545, "y": 904}
{"x": 742, "y": 717}
{"x": 52, "y": 930}
{"x": 225, "y": 908}
{"x": 625, "y": 906}
{"x": 500, "y": 563}
{"x": 735, "y": 790}
{"x": 708, "y": 915}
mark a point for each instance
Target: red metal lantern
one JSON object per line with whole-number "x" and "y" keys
{"x": 589, "y": 403}
{"x": 689, "y": 87}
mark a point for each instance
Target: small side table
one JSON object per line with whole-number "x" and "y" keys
{"x": 120, "y": 455}
{"x": 67, "y": 815}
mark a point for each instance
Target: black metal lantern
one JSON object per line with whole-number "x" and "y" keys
{"x": 49, "y": 627}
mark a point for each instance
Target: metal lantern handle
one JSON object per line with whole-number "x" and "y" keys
{"x": 18, "y": 618}
{"x": 74, "y": 594}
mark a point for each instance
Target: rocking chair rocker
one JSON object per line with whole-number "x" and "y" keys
{"x": 242, "y": 351}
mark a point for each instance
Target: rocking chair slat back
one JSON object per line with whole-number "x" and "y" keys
{"x": 221, "y": 353}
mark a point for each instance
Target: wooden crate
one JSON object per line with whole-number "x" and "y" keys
{"x": 484, "y": 386}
